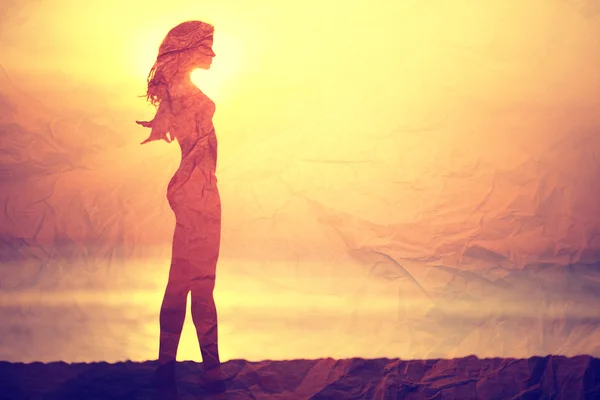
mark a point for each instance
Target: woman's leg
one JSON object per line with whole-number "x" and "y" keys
{"x": 172, "y": 316}
{"x": 204, "y": 315}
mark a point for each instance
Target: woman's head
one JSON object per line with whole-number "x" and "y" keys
{"x": 186, "y": 47}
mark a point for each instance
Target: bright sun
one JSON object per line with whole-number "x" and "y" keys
{"x": 217, "y": 81}
{"x": 205, "y": 79}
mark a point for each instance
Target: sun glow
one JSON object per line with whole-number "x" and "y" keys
{"x": 217, "y": 81}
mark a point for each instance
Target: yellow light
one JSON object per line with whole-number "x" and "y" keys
{"x": 217, "y": 81}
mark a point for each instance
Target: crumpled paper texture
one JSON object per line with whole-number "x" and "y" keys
{"x": 387, "y": 225}
{"x": 380, "y": 379}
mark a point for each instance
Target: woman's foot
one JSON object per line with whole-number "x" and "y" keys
{"x": 213, "y": 380}
{"x": 164, "y": 374}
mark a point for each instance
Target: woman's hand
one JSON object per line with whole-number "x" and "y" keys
{"x": 159, "y": 130}
{"x": 160, "y": 125}
{"x": 145, "y": 124}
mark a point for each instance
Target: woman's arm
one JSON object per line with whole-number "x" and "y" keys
{"x": 160, "y": 125}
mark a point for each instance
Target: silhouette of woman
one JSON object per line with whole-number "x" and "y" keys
{"x": 185, "y": 113}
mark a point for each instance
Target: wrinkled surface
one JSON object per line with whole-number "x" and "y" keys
{"x": 435, "y": 197}
{"x": 379, "y": 379}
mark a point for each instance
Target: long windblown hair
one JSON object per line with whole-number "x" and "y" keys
{"x": 174, "y": 48}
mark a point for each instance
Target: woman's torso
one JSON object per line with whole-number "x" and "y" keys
{"x": 194, "y": 184}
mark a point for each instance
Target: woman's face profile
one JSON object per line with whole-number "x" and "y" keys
{"x": 203, "y": 56}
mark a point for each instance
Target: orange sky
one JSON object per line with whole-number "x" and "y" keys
{"x": 422, "y": 130}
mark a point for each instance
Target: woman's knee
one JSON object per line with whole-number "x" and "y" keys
{"x": 203, "y": 286}
{"x": 176, "y": 290}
